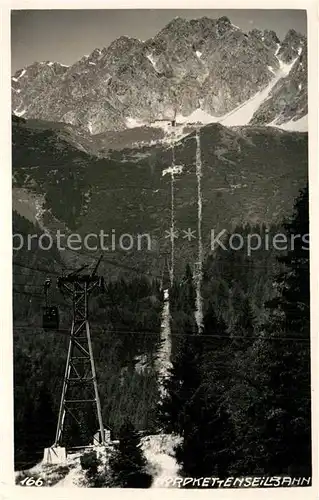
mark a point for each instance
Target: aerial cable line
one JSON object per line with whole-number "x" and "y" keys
{"x": 175, "y": 334}
{"x": 125, "y": 266}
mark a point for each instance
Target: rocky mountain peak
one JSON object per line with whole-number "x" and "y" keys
{"x": 270, "y": 39}
{"x": 204, "y": 24}
{"x": 124, "y": 43}
{"x": 201, "y": 64}
{"x": 223, "y": 21}
{"x": 120, "y": 50}
{"x": 291, "y": 46}
{"x": 222, "y": 26}
{"x": 267, "y": 37}
{"x": 96, "y": 54}
{"x": 256, "y": 33}
{"x": 178, "y": 24}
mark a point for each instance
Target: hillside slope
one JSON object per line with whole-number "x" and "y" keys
{"x": 250, "y": 174}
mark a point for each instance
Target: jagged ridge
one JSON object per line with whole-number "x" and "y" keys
{"x": 206, "y": 64}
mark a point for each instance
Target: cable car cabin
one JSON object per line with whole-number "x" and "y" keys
{"x": 50, "y": 319}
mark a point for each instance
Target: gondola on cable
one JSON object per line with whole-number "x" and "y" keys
{"x": 50, "y": 317}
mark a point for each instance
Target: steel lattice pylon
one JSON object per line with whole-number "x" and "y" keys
{"x": 79, "y": 383}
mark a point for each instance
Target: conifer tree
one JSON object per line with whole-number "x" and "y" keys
{"x": 190, "y": 293}
{"x": 128, "y": 465}
{"x": 278, "y": 366}
{"x": 183, "y": 381}
{"x": 215, "y": 334}
{"x": 243, "y": 330}
{"x": 206, "y": 449}
{"x": 288, "y": 429}
{"x": 205, "y": 424}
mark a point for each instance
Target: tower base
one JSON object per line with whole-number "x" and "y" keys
{"x": 54, "y": 455}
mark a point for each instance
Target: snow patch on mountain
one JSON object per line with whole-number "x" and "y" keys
{"x": 133, "y": 123}
{"x": 300, "y": 125}
{"x": 23, "y": 72}
{"x": 152, "y": 60}
{"x": 90, "y": 127}
{"x": 198, "y": 116}
{"x": 19, "y": 113}
{"x": 159, "y": 451}
{"x": 199, "y": 54}
{"x": 244, "y": 113}
{"x": 285, "y": 68}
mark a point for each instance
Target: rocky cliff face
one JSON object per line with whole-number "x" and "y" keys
{"x": 288, "y": 100}
{"x": 267, "y": 37}
{"x": 291, "y": 46}
{"x": 29, "y": 83}
{"x": 202, "y": 64}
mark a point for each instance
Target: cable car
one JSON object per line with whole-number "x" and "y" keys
{"x": 50, "y": 318}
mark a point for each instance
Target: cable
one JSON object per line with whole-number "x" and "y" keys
{"x": 27, "y": 276}
{"x": 173, "y": 334}
{"x": 27, "y": 293}
{"x": 86, "y": 255}
{"x": 147, "y": 273}
{"x": 129, "y": 187}
{"x": 38, "y": 269}
{"x": 124, "y": 266}
{"x": 28, "y": 285}
{"x": 49, "y": 271}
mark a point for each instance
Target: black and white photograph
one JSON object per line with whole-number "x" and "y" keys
{"x": 160, "y": 249}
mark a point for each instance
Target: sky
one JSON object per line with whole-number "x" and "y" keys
{"x": 67, "y": 35}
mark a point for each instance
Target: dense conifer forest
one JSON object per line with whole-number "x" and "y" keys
{"x": 239, "y": 390}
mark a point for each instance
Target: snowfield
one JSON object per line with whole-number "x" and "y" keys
{"x": 300, "y": 125}
{"x": 240, "y": 116}
{"x": 159, "y": 452}
{"x": 132, "y": 123}
{"x": 244, "y": 113}
{"x": 197, "y": 116}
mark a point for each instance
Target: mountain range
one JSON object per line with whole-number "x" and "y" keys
{"x": 92, "y": 142}
{"x": 203, "y": 70}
